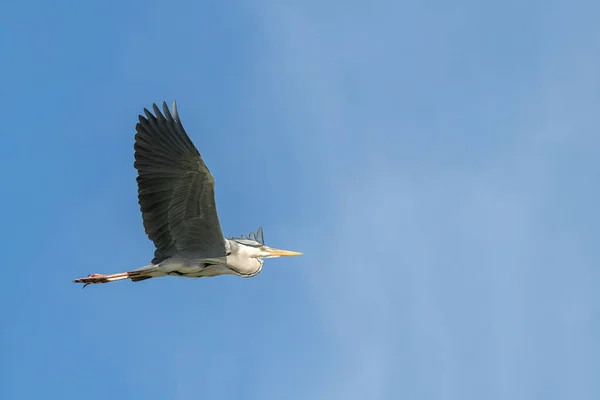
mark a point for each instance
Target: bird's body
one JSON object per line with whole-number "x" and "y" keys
{"x": 194, "y": 265}
{"x": 176, "y": 197}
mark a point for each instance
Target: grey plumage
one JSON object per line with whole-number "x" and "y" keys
{"x": 252, "y": 239}
{"x": 175, "y": 188}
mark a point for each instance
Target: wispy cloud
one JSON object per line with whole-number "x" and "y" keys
{"x": 440, "y": 271}
{"x": 435, "y": 161}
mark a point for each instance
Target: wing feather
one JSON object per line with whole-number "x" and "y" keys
{"x": 175, "y": 188}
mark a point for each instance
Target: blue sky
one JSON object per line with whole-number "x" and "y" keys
{"x": 435, "y": 162}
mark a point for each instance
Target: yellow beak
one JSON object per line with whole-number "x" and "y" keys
{"x": 281, "y": 253}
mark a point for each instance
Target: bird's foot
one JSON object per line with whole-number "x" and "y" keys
{"x": 92, "y": 278}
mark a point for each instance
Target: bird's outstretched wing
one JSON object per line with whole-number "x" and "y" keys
{"x": 175, "y": 188}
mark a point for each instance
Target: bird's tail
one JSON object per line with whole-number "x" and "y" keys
{"x": 143, "y": 273}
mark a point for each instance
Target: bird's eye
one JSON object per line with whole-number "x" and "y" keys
{"x": 262, "y": 248}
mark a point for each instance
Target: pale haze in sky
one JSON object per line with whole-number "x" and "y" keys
{"x": 437, "y": 164}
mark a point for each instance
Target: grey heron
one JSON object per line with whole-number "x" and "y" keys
{"x": 177, "y": 200}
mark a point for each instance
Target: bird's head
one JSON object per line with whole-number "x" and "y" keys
{"x": 246, "y": 254}
{"x": 253, "y": 246}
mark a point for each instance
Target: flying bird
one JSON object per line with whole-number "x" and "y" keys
{"x": 176, "y": 194}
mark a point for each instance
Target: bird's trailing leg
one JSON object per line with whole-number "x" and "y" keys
{"x": 101, "y": 278}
